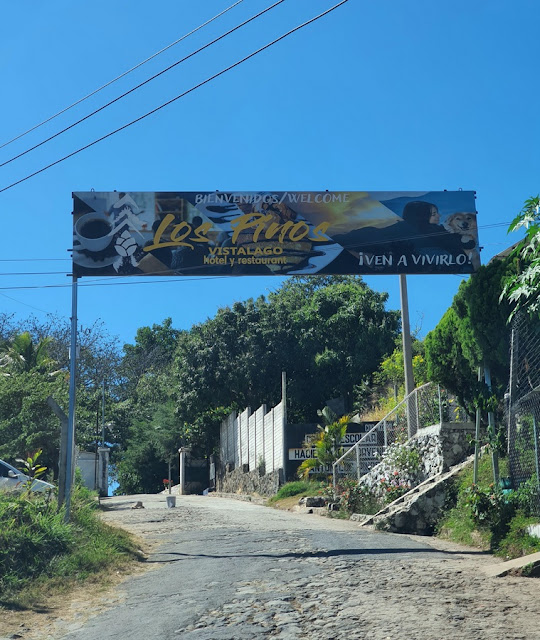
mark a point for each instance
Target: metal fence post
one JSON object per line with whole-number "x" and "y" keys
{"x": 536, "y": 457}
{"x": 477, "y": 436}
{"x": 417, "y": 419}
{"x": 358, "y": 463}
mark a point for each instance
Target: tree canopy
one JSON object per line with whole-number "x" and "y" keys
{"x": 172, "y": 388}
{"x": 473, "y": 332}
{"x": 327, "y": 336}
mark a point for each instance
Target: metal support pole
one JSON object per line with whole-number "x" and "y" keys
{"x": 514, "y": 345}
{"x": 407, "y": 351}
{"x": 70, "y": 448}
{"x": 358, "y": 474}
{"x": 181, "y": 478}
{"x": 440, "y": 404}
{"x": 103, "y": 414}
{"x": 536, "y": 456}
{"x": 477, "y": 436}
{"x": 492, "y": 431}
{"x": 284, "y": 423}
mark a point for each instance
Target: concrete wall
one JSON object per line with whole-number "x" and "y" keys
{"x": 250, "y": 440}
{"x": 95, "y": 475}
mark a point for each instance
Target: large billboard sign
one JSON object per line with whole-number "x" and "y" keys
{"x": 274, "y": 233}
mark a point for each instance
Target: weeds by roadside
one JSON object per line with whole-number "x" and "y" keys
{"x": 40, "y": 553}
{"x": 487, "y": 517}
{"x": 299, "y": 488}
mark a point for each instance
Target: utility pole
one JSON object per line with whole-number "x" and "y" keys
{"x": 70, "y": 448}
{"x": 412, "y": 418}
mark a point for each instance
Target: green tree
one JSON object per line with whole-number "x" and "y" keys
{"x": 327, "y": 335}
{"x": 473, "y": 332}
{"x": 152, "y": 352}
{"x": 34, "y": 364}
{"x": 27, "y": 423}
{"x": 522, "y": 288}
{"x": 22, "y": 353}
{"x": 392, "y": 369}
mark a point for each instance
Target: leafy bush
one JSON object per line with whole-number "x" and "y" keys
{"x": 490, "y": 509}
{"x": 398, "y": 471}
{"x": 393, "y": 487}
{"x": 355, "y": 498}
{"x": 405, "y": 459}
{"x": 487, "y": 517}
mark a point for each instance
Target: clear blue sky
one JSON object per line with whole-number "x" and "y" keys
{"x": 376, "y": 96}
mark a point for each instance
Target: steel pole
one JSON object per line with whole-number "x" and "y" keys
{"x": 477, "y": 436}
{"x": 103, "y": 414}
{"x": 70, "y": 448}
{"x": 407, "y": 350}
{"x": 492, "y": 431}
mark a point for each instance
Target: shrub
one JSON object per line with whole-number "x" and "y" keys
{"x": 397, "y": 473}
{"x": 393, "y": 487}
{"x": 355, "y": 498}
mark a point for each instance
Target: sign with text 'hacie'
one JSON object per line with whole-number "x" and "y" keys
{"x": 274, "y": 233}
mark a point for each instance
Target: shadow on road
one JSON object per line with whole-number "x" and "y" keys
{"x": 332, "y": 553}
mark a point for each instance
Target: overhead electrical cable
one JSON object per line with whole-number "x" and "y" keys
{"x": 123, "y": 281}
{"x": 25, "y": 304}
{"x": 141, "y": 84}
{"x": 122, "y": 75}
{"x": 181, "y": 95}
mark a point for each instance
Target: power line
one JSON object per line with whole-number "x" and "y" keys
{"x": 23, "y": 303}
{"x": 141, "y": 84}
{"x": 130, "y": 281}
{"x": 122, "y": 75}
{"x": 181, "y": 95}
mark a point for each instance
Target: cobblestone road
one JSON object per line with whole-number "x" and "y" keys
{"x": 224, "y": 569}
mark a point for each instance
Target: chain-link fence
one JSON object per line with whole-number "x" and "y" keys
{"x": 523, "y": 407}
{"x": 425, "y": 406}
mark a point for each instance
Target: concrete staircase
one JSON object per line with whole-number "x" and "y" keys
{"x": 419, "y": 509}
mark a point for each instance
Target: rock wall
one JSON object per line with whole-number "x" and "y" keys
{"x": 439, "y": 447}
{"x": 445, "y": 445}
{"x": 419, "y": 510}
{"x": 250, "y": 482}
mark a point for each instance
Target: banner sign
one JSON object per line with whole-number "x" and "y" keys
{"x": 274, "y": 233}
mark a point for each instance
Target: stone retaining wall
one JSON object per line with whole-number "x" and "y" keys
{"x": 250, "y": 482}
{"x": 439, "y": 446}
{"x": 419, "y": 511}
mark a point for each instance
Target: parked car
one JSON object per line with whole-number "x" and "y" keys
{"x": 11, "y": 479}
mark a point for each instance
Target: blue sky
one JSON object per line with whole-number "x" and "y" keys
{"x": 379, "y": 96}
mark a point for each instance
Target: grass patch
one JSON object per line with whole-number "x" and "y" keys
{"x": 298, "y": 488}
{"x": 518, "y": 542}
{"x": 458, "y": 526}
{"x": 41, "y": 554}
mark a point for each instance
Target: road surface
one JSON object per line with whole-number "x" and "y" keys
{"x": 223, "y": 569}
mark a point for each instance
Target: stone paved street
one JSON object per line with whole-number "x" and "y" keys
{"x": 224, "y": 569}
